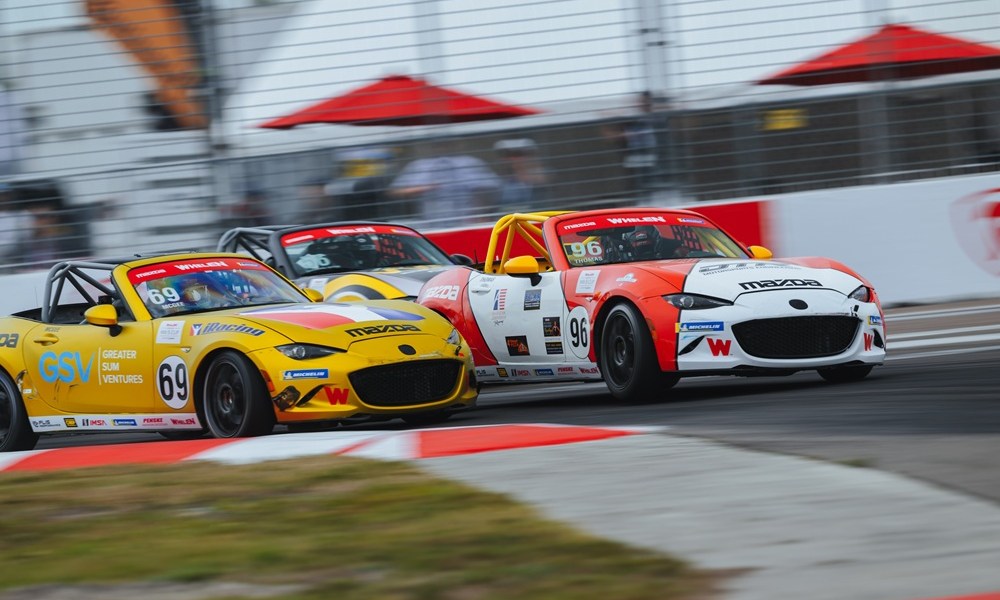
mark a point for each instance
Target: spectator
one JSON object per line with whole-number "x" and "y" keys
{"x": 636, "y": 138}
{"x": 15, "y": 225}
{"x": 250, "y": 211}
{"x": 50, "y": 240}
{"x": 523, "y": 178}
{"x": 450, "y": 188}
{"x": 360, "y": 190}
{"x": 313, "y": 204}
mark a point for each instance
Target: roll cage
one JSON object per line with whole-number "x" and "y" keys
{"x": 524, "y": 226}
{"x": 91, "y": 281}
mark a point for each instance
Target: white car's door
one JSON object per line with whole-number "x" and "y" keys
{"x": 522, "y": 322}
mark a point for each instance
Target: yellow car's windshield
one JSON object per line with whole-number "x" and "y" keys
{"x": 197, "y": 285}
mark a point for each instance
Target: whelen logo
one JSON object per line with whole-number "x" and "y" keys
{"x": 373, "y": 329}
{"x": 627, "y": 220}
{"x": 776, "y": 283}
{"x": 204, "y": 265}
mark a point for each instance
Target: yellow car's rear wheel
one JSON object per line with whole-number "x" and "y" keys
{"x": 235, "y": 400}
{"x": 15, "y": 430}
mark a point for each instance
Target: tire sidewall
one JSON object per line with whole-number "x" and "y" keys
{"x": 20, "y": 435}
{"x": 258, "y": 418}
{"x": 642, "y": 384}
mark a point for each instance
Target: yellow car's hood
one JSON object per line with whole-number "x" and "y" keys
{"x": 339, "y": 324}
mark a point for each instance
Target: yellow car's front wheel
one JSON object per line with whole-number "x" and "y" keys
{"x": 235, "y": 400}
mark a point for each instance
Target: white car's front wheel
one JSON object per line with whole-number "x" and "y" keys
{"x": 628, "y": 357}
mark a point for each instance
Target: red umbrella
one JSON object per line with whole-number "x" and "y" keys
{"x": 400, "y": 100}
{"x": 893, "y": 52}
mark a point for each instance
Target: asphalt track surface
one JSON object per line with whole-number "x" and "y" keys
{"x": 932, "y": 412}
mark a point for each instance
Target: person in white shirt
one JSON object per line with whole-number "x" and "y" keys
{"x": 449, "y": 189}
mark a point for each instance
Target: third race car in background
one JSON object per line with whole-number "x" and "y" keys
{"x": 642, "y": 297}
{"x": 348, "y": 260}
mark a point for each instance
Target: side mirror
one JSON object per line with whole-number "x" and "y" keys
{"x": 523, "y": 266}
{"x": 760, "y": 252}
{"x": 103, "y": 315}
{"x": 462, "y": 259}
{"x": 313, "y": 295}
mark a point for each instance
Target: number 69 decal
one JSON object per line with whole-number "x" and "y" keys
{"x": 578, "y": 332}
{"x": 172, "y": 382}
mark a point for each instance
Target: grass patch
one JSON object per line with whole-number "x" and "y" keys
{"x": 332, "y": 526}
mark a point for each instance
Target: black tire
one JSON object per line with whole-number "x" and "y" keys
{"x": 628, "y": 357}
{"x": 845, "y": 374}
{"x": 15, "y": 430}
{"x": 235, "y": 399}
{"x": 432, "y": 417}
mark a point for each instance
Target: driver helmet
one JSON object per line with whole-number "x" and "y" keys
{"x": 644, "y": 240}
{"x": 197, "y": 289}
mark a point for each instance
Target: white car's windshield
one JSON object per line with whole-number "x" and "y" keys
{"x": 632, "y": 237}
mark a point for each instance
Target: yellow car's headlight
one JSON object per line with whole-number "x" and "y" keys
{"x": 306, "y": 351}
{"x": 454, "y": 337}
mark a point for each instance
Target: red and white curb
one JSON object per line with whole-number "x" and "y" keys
{"x": 382, "y": 445}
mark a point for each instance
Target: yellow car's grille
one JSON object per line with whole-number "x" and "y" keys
{"x": 407, "y": 384}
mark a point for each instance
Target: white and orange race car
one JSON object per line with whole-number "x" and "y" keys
{"x": 641, "y": 297}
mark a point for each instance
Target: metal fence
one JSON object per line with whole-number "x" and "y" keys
{"x": 136, "y": 125}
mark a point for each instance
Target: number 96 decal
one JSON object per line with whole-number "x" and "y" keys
{"x": 172, "y": 382}
{"x": 578, "y": 332}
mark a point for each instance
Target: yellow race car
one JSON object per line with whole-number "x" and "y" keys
{"x": 187, "y": 343}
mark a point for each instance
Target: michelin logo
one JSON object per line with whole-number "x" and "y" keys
{"x": 306, "y": 374}
{"x": 701, "y": 326}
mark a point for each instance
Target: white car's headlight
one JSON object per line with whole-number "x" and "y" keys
{"x": 695, "y": 301}
{"x": 306, "y": 351}
{"x": 861, "y": 294}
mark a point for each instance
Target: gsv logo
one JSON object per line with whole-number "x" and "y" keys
{"x": 67, "y": 366}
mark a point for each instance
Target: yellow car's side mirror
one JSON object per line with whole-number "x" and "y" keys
{"x": 103, "y": 315}
{"x": 313, "y": 295}
{"x": 760, "y": 252}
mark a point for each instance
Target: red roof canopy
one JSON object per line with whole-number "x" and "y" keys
{"x": 400, "y": 100}
{"x": 893, "y": 52}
